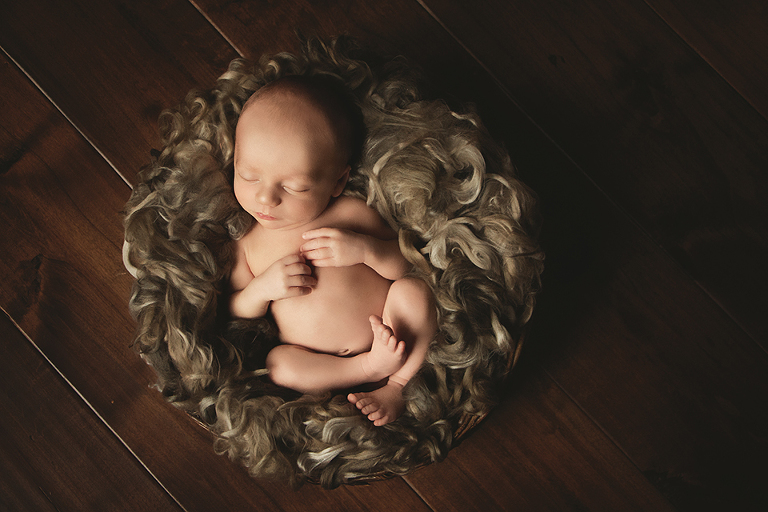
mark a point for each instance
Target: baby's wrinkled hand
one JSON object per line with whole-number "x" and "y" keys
{"x": 331, "y": 247}
{"x": 287, "y": 277}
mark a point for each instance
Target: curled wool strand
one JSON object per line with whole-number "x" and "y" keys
{"x": 465, "y": 221}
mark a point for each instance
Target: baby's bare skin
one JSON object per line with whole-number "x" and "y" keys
{"x": 333, "y": 315}
{"x": 326, "y": 266}
{"x": 324, "y": 322}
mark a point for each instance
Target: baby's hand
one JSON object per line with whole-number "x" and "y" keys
{"x": 288, "y": 277}
{"x": 331, "y": 247}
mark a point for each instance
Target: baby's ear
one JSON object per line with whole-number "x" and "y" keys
{"x": 342, "y": 182}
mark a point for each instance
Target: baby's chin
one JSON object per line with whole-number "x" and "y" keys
{"x": 277, "y": 224}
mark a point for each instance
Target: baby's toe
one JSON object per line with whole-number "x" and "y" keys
{"x": 360, "y": 400}
{"x": 376, "y": 322}
{"x": 378, "y": 333}
{"x": 370, "y": 407}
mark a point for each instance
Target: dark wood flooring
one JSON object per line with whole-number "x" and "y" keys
{"x": 642, "y": 126}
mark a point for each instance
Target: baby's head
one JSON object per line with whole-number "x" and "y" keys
{"x": 295, "y": 143}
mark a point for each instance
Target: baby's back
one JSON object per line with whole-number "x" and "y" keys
{"x": 333, "y": 318}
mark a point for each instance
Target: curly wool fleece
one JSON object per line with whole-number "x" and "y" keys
{"x": 464, "y": 221}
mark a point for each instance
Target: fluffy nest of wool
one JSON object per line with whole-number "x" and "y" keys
{"x": 465, "y": 222}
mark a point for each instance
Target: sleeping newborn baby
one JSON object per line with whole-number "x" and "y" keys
{"x": 325, "y": 265}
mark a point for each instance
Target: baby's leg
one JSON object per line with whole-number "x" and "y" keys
{"x": 410, "y": 312}
{"x": 307, "y": 371}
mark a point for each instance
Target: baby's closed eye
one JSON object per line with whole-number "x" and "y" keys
{"x": 249, "y": 178}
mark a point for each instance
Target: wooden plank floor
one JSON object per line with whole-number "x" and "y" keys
{"x": 642, "y": 126}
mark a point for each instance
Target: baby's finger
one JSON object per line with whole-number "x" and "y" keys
{"x": 292, "y": 259}
{"x": 315, "y": 244}
{"x": 324, "y": 262}
{"x": 319, "y": 254}
{"x": 298, "y": 268}
{"x": 319, "y": 233}
{"x": 301, "y": 281}
{"x": 298, "y": 291}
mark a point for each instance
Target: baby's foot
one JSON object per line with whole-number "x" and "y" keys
{"x": 382, "y": 405}
{"x": 387, "y": 355}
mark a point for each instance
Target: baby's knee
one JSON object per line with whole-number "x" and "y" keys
{"x": 281, "y": 371}
{"x": 411, "y": 297}
{"x": 410, "y": 290}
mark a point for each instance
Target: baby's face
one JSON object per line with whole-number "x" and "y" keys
{"x": 287, "y": 164}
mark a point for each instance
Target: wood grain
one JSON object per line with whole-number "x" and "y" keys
{"x": 640, "y": 348}
{"x": 634, "y": 364}
{"x": 47, "y": 462}
{"x": 730, "y": 37}
{"x": 68, "y": 291}
{"x": 620, "y": 324}
{"x": 381, "y": 489}
{"x": 649, "y": 121}
{"x": 112, "y": 67}
{"x": 544, "y": 453}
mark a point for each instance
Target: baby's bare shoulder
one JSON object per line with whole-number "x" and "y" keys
{"x": 351, "y": 205}
{"x": 344, "y": 208}
{"x": 353, "y": 213}
{"x": 241, "y": 273}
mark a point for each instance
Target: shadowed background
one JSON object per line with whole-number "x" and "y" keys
{"x": 641, "y": 125}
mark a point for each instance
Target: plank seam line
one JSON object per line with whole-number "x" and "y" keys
{"x": 69, "y": 120}
{"x": 747, "y": 100}
{"x": 101, "y": 418}
{"x": 512, "y": 100}
{"x": 405, "y": 479}
{"x": 605, "y": 433}
{"x": 631, "y": 219}
{"x": 709, "y": 63}
{"x": 217, "y": 28}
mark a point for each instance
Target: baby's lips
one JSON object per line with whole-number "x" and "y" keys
{"x": 264, "y": 216}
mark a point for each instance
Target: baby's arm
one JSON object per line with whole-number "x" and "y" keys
{"x": 251, "y": 296}
{"x": 333, "y": 247}
{"x": 370, "y": 242}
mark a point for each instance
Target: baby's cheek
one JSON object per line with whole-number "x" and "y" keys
{"x": 310, "y": 210}
{"x": 239, "y": 196}
{"x": 236, "y": 190}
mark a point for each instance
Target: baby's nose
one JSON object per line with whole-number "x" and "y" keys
{"x": 268, "y": 196}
